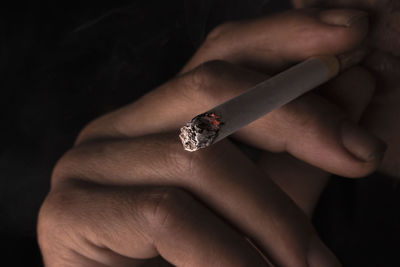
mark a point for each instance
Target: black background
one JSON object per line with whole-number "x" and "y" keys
{"x": 63, "y": 64}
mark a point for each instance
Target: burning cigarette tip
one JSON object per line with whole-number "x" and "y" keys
{"x": 207, "y": 128}
{"x": 201, "y": 131}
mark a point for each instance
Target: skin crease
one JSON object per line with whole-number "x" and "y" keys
{"x": 100, "y": 208}
{"x": 302, "y": 182}
{"x": 382, "y": 115}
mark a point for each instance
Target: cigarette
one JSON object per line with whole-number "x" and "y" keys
{"x": 221, "y": 121}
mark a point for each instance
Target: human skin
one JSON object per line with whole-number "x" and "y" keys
{"x": 128, "y": 191}
{"x": 382, "y": 115}
{"x": 302, "y": 182}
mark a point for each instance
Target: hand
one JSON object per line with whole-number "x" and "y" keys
{"x": 251, "y": 45}
{"x": 128, "y": 191}
{"x": 381, "y": 116}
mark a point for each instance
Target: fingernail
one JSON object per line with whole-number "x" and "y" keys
{"x": 319, "y": 255}
{"x": 361, "y": 144}
{"x": 342, "y": 17}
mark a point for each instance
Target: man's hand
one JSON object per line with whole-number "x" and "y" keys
{"x": 251, "y": 45}
{"x": 382, "y": 115}
{"x": 128, "y": 192}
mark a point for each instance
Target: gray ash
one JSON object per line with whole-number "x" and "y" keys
{"x": 200, "y": 132}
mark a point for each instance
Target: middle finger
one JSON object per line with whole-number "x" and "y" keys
{"x": 310, "y": 127}
{"x": 221, "y": 176}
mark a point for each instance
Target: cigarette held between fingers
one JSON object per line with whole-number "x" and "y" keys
{"x": 223, "y": 120}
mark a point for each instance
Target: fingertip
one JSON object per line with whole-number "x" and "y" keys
{"x": 360, "y": 154}
{"x": 344, "y": 29}
{"x": 358, "y": 169}
{"x": 343, "y": 17}
{"x": 326, "y": 31}
{"x": 326, "y": 139}
{"x": 362, "y": 144}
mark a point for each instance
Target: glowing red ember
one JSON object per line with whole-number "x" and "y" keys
{"x": 215, "y": 120}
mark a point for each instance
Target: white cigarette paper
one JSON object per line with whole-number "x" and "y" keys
{"x": 225, "y": 119}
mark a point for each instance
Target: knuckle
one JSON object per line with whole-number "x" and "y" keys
{"x": 82, "y": 161}
{"x": 97, "y": 129}
{"x": 54, "y": 221}
{"x": 165, "y": 209}
{"x": 65, "y": 167}
{"x": 60, "y": 169}
{"x": 59, "y": 227}
{"x": 85, "y": 135}
{"x": 217, "y": 34}
{"x": 203, "y": 78}
{"x": 204, "y": 74}
{"x": 44, "y": 225}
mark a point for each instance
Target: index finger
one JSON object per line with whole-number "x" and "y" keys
{"x": 310, "y": 127}
{"x": 270, "y": 43}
